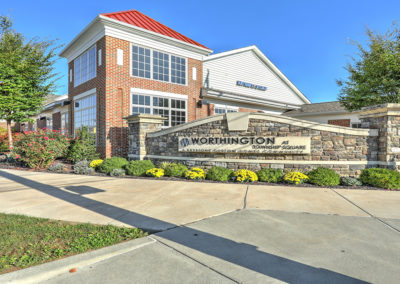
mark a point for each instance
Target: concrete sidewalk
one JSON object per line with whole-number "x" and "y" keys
{"x": 213, "y": 233}
{"x": 158, "y": 205}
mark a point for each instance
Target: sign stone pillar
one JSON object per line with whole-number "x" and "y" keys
{"x": 385, "y": 118}
{"x": 139, "y": 126}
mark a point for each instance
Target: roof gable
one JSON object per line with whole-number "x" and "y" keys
{"x": 251, "y": 65}
{"x": 138, "y": 19}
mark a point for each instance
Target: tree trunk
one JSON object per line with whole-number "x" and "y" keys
{"x": 10, "y": 139}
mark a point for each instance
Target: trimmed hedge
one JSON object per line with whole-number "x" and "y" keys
{"x": 138, "y": 168}
{"x": 323, "y": 177}
{"x": 270, "y": 175}
{"x": 383, "y": 178}
{"x": 219, "y": 174}
{"x": 111, "y": 164}
{"x": 175, "y": 170}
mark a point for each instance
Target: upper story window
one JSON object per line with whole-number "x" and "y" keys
{"x": 141, "y": 62}
{"x": 178, "y": 70}
{"x": 156, "y": 65}
{"x": 160, "y": 66}
{"x": 85, "y": 67}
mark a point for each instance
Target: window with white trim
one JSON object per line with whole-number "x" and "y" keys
{"x": 218, "y": 109}
{"x": 141, "y": 62}
{"x": 64, "y": 123}
{"x": 171, "y": 108}
{"x": 160, "y": 66}
{"x": 85, "y": 66}
{"x": 153, "y": 64}
{"x": 85, "y": 113}
{"x": 178, "y": 70}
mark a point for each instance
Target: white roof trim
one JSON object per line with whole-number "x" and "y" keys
{"x": 104, "y": 20}
{"x": 267, "y": 62}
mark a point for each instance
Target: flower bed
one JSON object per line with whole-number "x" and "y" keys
{"x": 51, "y": 152}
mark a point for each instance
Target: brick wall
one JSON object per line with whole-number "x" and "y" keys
{"x": 113, "y": 83}
{"x": 118, "y": 85}
{"x": 99, "y": 83}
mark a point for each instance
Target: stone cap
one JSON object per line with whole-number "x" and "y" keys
{"x": 147, "y": 118}
{"x": 380, "y": 110}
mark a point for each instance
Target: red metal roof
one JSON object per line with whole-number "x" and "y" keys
{"x": 134, "y": 17}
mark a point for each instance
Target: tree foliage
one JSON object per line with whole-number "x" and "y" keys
{"x": 374, "y": 76}
{"x": 26, "y": 73}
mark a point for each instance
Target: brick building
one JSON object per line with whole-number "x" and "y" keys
{"x": 125, "y": 63}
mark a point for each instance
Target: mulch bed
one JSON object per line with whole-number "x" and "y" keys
{"x": 304, "y": 185}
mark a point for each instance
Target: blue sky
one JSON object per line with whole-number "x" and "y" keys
{"x": 307, "y": 40}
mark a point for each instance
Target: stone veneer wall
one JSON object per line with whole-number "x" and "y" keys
{"x": 343, "y": 149}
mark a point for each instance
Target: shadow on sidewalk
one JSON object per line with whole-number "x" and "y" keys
{"x": 242, "y": 254}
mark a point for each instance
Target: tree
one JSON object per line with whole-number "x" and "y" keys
{"x": 26, "y": 74}
{"x": 374, "y": 77}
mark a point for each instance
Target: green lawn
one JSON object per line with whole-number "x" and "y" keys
{"x": 27, "y": 241}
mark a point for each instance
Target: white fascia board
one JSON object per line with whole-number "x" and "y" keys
{"x": 318, "y": 113}
{"x": 266, "y": 61}
{"x": 158, "y": 93}
{"x": 159, "y": 37}
{"x": 248, "y": 99}
{"x": 83, "y": 41}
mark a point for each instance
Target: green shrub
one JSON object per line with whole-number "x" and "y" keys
{"x": 83, "y": 147}
{"x": 164, "y": 165}
{"x": 112, "y": 163}
{"x": 138, "y": 168}
{"x": 270, "y": 175}
{"x": 83, "y": 168}
{"x": 175, "y": 170}
{"x": 219, "y": 174}
{"x": 383, "y": 178}
{"x": 323, "y": 177}
{"x": 117, "y": 173}
{"x": 349, "y": 181}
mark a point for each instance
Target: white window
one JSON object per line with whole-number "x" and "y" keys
{"x": 64, "y": 123}
{"x": 171, "y": 108}
{"x": 141, "y": 62}
{"x": 70, "y": 75}
{"x": 218, "y": 109}
{"x": 85, "y": 67}
{"x": 178, "y": 70}
{"x": 85, "y": 113}
{"x": 120, "y": 57}
{"x": 160, "y": 66}
{"x": 156, "y": 65}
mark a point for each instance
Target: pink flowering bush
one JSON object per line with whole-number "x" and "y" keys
{"x": 39, "y": 149}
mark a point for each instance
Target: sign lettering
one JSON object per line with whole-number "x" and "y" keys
{"x": 246, "y": 144}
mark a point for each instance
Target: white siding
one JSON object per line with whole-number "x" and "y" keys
{"x": 222, "y": 74}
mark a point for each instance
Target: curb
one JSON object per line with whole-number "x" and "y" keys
{"x": 52, "y": 269}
